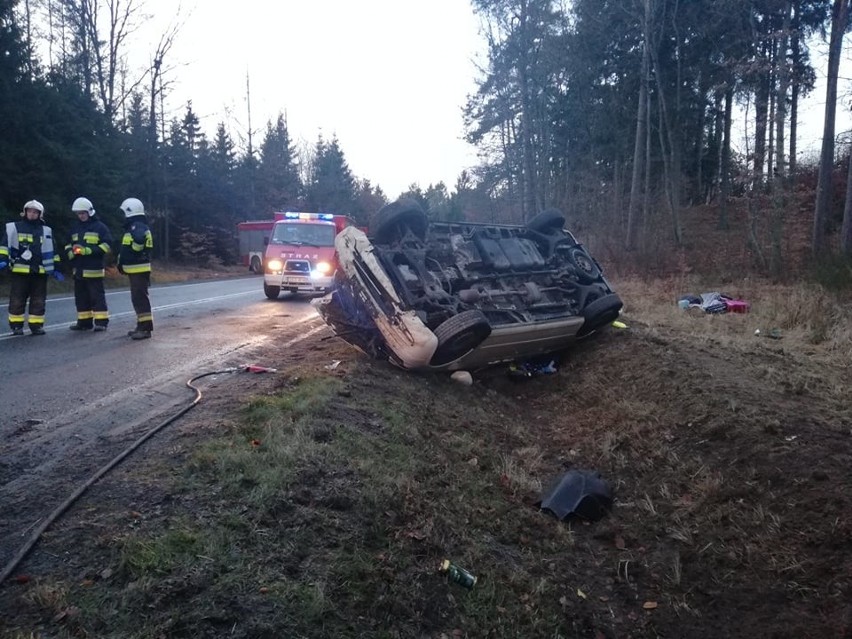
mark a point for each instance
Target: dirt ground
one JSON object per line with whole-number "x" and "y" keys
{"x": 729, "y": 456}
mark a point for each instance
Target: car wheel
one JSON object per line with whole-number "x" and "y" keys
{"x": 585, "y": 266}
{"x": 271, "y": 291}
{"x": 547, "y": 222}
{"x": 600, "y": 312}
{"x": 394, "y": 219}
{"x": 459, "y": 335}
{"x": 255, "y": 266}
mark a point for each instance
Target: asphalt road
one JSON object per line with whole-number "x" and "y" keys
{"x": 69, "y": 400}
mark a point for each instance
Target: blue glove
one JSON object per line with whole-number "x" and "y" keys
{"x": 3, "y": 265}
{"x": 59, "y": 277}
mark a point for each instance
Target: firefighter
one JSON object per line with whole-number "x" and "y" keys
{"x": 87, "y": 251}
{"x": 134, "y": 260}
{"x": 27, "y": 247}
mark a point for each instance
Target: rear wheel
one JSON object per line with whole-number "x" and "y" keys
{"x": 255, "y": 264}
{"x": 271, "y": 291}
{"x": 600, "y": 312}
{"x": 395, "y": 219}
{"x": 587, "y": 270}
{"x": 459, "y": 335}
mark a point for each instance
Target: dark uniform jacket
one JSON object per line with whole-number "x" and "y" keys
{"x": 95, "y": 236}
{"x": 136, "y": 245}
{"x": 28, "y": 247}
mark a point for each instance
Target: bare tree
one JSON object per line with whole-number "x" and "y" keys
{"x": 839, "y": 22}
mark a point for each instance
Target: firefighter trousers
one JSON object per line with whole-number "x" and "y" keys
{"x": 90, "y": 299}
{"x": 139, "y": 284}
{"x": 23, "y": 288}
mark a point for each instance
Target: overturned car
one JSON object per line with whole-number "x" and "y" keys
{"x": 462, "y": 295}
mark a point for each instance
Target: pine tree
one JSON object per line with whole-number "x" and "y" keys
{"x": 332, "y": 186}
{"x": 278, "y": 182}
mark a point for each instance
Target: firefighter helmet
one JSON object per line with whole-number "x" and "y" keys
{"x": 132, "y": 207}
{"x": 83, "y": 204}
{"x": 34, "y": 204}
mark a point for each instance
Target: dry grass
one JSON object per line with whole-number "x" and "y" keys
{"x": 324, "y": 504}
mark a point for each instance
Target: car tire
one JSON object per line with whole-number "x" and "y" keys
{"x": 255, "y": 266}
{"x": 586, "y": 268}
{"x": 271, "y": 291}
{"x": 547, "y": 222}
{"x": 394, "y": 219}
{"x": 459, "y": 335}
{"x": 600, "y": 312}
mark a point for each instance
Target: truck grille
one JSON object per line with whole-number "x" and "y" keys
{"x": 297, "y": 266}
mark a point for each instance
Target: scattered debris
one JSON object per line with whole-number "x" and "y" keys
{"x": 619, "y": 324}
{"x": 774, "y": 333}
{"x": 333, "y": 365}
{"x": 578, "y": 492}
{"x": 532, "y": 368}
{"x": 714, "y": 303}
{"x": 649, "y": 605}
{"x": 462, "y": 377}
{"x": 254, "y": 368}
{"x": 457, "y": 574}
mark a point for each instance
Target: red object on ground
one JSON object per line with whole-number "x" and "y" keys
{"x": 254, "y": 368}
{"x": 737, "y": 306}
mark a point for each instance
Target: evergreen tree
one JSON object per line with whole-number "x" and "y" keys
{"x": 278, "y": 181}
{"x": 332, "y": 186}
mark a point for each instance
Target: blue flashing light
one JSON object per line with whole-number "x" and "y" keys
{"x": 325, "y": 217}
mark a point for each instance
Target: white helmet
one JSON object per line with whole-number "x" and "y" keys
{"x": 132, "y": 207}
{"x": 34, "y": 204}
{"x": 83, "y": 204}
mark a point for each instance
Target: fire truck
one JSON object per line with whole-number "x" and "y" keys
{"x": 300, "y": 256}
{"x": 254, "y": 237}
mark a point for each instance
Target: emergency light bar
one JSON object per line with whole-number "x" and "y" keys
{"x": 325, "y": 217}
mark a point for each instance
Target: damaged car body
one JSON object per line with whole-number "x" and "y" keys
{"x": 463, "y": 295}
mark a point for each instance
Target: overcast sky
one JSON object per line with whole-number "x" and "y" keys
{"x": 388, "y": 77}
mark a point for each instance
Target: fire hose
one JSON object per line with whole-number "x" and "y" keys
{"x": 32, "y": 540}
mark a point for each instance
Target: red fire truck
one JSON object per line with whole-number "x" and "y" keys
{"x": 300, "y": 256}
{"x": 253, "y": 237}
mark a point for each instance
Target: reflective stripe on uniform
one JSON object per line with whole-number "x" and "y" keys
{"x": 24, "y": 269}
{"x": 91, "y": 238}
{"x": 93, "y": 272}
{"x": 137, "y": 268}
{"x": 36, "y": 319}
{"x": 101, "y": 315}
{"x": 84, "y": 315}
{"x": 16, "y": 318}
{"x": 145, "y": 317}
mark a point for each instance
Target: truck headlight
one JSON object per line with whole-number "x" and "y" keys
{"x": 274, "y": 265}
{"x": 323, "y": 268}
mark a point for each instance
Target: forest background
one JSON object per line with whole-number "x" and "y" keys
{"x": 620, "y": 113}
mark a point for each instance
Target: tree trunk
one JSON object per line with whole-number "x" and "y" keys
{"x": 795, "y": 61}
{"x": 846, "y": 228}
{"x": 839, "y": 20}
{"x": 781, "y": 99}
{"x": 725, "y": 178}
{"x": 633, "y": 222}
{"x": 761, "y": 109}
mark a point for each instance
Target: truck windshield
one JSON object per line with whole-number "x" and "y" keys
{"x": 303, "y": 234}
